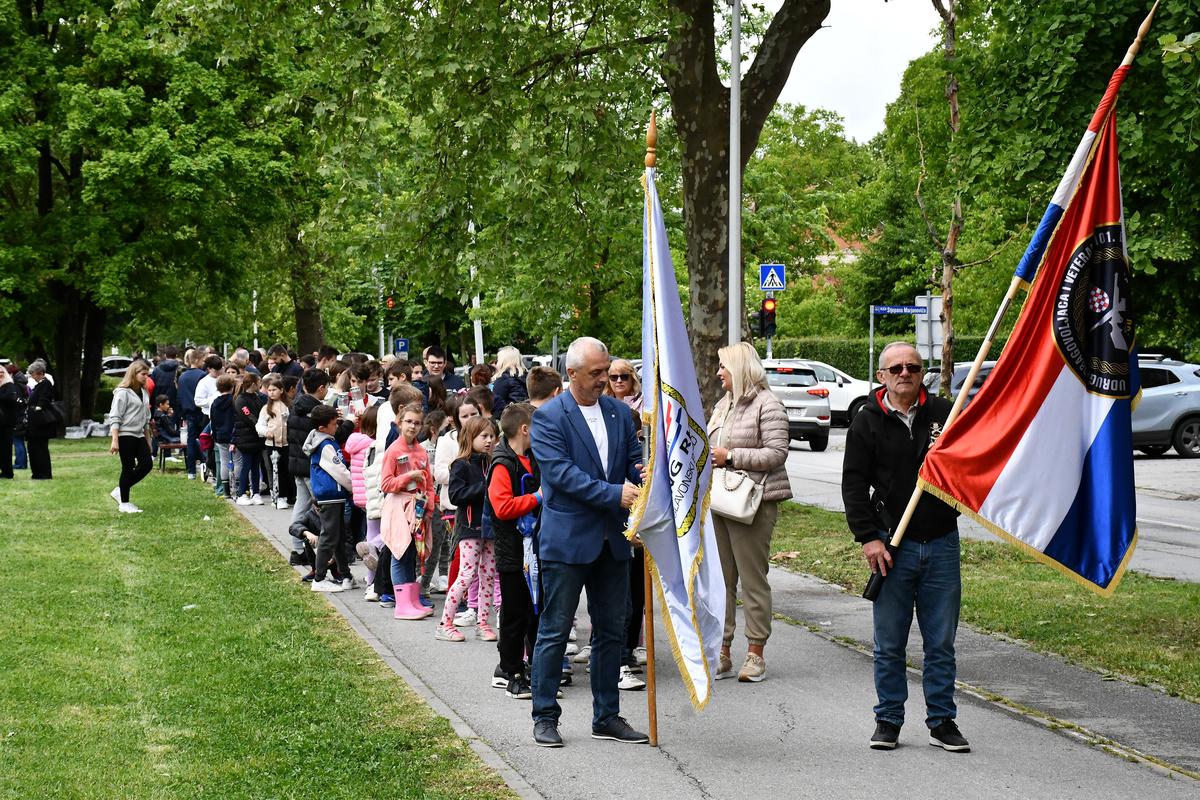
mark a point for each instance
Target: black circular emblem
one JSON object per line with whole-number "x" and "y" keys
{"x": 1093, "y": 317}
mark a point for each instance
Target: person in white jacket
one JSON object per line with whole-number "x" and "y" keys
{"x": 129, "y": 422}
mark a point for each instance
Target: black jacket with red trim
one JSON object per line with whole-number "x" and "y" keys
{"x": 880, "y": 470}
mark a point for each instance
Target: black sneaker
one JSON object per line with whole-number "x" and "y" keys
{"x": 545, "y": 733}
{"x": 885, "y": 736}
{"x": 518, "y": 688}
{"x": 619, "y": 730}
{"x": 500, "y": 678}
{"x": 297, "y": 560}
{"x": 947, "y": 737}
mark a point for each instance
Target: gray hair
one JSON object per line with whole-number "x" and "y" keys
{"x": 37, "y": 368}
{"x": 579, "y": 349}
{"x": 894, "y": 345}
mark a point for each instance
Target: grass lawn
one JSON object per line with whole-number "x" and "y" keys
{"x": 1147, "y": 631}
{"x": 160, "y": 655}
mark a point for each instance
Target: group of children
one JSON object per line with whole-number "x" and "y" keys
{"x": 396, "y": 464}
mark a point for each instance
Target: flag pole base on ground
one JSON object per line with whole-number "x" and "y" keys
{"x": 651, "y": 683}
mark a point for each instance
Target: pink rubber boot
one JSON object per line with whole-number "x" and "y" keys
{"x": 408, "y": 604}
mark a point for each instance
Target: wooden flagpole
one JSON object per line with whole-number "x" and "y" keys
{"x": 1005, "y": 304}
{"x": 647, "y": 579}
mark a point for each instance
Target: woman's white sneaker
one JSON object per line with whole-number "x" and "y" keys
{"x": 128, "y": 508}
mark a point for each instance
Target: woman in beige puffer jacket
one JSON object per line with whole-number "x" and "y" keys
{"x": 749, "y": 435}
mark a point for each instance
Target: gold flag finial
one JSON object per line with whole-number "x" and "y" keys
{"x": 652, "y": 142}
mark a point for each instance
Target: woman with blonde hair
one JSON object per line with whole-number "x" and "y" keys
{"x": 624, "y": 384}
{"x": 509, "y": 386}
{"x": 748, "y": 433}
{"x": 129, "y": 422}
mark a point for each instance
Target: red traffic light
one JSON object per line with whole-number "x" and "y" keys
{"x": 391, "y": 302}
{"x": 768, "y": 304}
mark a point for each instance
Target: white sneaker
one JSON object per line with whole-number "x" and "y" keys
{"x": 466, "y": 619}
{"x": 191, "y": 477}
{"x": 443, "y": 584}
{"x": 572, "y": 648}
{"x": 371, "y": 596}
{"x": 351, "y": 583}
{"x": 281, "y": 504}
{"x": 584, "y": 655}
{"x": 257, "y": 500}
{"x": 327, "y": 585}
{"x": 244, "y": 501}
{"x": 128, "y": 508}
{"x": 115, "y": 494}
{"x": 630, "y": 682}
{"x": 176, "y": 459}
{"x": 572, "y": 636}
{"x": 639, "y": 653}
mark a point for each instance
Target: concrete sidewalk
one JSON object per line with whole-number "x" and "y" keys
{"x": 803, "y": 732}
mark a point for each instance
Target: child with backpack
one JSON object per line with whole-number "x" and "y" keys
{"x": 247, "y": 405}
{"x": 467, "y": 489}
{"x": 331, "y": 484}
{"x": 513, "y": 501}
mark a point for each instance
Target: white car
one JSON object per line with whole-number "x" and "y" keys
{"x": 847, "y": 395}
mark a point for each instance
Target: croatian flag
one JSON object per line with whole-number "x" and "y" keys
{"x": 671, "y": 514}
{"x": 1043, "y": 455}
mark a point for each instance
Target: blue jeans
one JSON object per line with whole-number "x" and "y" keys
{"x": 607, "y": 582}
{"x": 926, "y": 575}
{"x": 20, "y": 458}
{"x": 404, "y": 568}
{"x": 247, "y": 469}
{"x": 196, "y": 423}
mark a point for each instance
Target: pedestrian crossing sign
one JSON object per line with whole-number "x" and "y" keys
{"x": 771, "y": 278}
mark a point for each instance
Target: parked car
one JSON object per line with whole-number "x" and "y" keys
{"x": 1169, "y": 412}
{"x": 115, "y": 365}
{"x": 804, "y": 398}
{"x": 933, "y": 377}
{"x": 847, "y": 394}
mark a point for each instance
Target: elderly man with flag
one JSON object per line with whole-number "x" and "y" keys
{"x": 884, "y": 449}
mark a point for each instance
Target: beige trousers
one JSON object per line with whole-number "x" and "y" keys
{"x": 745, "y": 552}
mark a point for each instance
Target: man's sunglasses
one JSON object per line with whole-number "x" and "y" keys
{"x": 914, "y": 369}
{"x": 624, "y": 376}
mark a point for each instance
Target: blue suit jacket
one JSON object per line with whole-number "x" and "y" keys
{"x": 582, "y": 505}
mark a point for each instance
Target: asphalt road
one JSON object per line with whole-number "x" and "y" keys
{"x": 1168, "y": 503}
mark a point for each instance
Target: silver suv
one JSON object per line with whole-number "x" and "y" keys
{"x": 1169, "y": 412}
{"x": 806, "y": 401}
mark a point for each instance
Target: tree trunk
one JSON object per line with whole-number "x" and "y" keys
{"x": 68, "y": 347}
{"x": 310, "y": 330}
{"x": 700, "y": 107}
{"x": 949, "y": 15}
{"x": 93, "y": 355}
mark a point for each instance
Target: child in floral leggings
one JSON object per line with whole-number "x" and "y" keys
{"x": 467, "y": 489}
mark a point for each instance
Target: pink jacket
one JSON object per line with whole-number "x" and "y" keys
{"x": 356, "y": 447}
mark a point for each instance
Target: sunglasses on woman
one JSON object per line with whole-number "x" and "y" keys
{"x": 624, "y": 376}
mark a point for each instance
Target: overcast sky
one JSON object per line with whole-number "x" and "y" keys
{"x": 853, "y": 65}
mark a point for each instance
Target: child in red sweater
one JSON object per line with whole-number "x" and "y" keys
{"x": 513, "y": 492}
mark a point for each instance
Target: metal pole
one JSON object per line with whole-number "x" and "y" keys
{"x": 735, "y": 177}
{"x": 475, "y": 303}
{"x": 254, "y": 308}
{"x": 871, "y": 352}
{"x": 554, "y": 353}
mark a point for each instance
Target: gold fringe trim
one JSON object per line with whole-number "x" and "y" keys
{"x": 1037, "y": 554}
{"x": 680, "y": 662}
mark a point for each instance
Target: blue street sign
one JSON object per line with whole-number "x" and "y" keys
{"x": 400, "y": 347}
{"x": 772, "y": 277}
{"x": 899, "y": 310}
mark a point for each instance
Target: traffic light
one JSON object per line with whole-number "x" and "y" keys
{"x": 391, "y": 302}
{"x": 767, "y": 317}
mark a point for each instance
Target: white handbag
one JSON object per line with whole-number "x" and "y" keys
{"x": 734, "y": 494}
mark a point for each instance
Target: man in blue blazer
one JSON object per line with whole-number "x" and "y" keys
{"x": 589, "y": 455}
